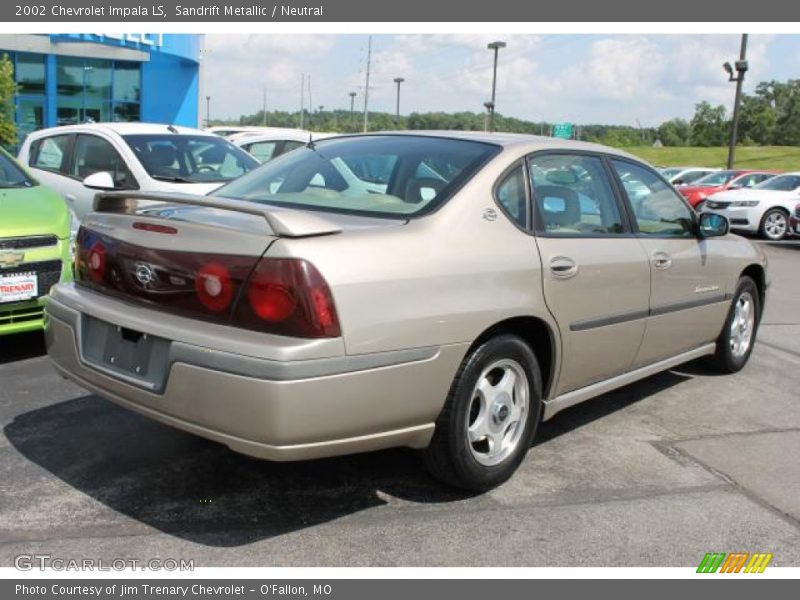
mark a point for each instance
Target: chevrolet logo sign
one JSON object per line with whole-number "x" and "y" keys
{"x": 11, "y": 259}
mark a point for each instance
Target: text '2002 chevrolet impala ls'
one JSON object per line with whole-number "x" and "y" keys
{"x": 440, "y": 291}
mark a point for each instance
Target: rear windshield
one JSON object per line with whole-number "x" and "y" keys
{"x": 381, "y": 175}
{"x": 190, "y": 158}
{"x": 11, "y": 176}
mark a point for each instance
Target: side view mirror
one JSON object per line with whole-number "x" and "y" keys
{"x": 713, "y": 225}
{"x": 735, "y": 186}
{"x": 102, "y": 180}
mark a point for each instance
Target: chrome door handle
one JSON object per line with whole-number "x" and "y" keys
{"x": 563, "y": 267}
{"x": 661, "y": 260}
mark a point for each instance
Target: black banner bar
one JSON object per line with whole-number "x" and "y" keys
{"x": 438, "y": 11}
{"x": 731, "y": 586}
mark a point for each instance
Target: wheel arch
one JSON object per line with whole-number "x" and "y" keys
{"x": 540, "y": 336}
{"x": 759, "y": 276}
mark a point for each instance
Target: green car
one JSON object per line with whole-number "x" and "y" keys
{"x": 35, "y": 246}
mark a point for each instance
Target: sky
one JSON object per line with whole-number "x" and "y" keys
{"x": 610, "y": 79}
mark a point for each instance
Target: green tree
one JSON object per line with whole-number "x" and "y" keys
{"x": 709, "y": 126}
{"x": 674, "y": 132}
{"x": 8, "y": 89}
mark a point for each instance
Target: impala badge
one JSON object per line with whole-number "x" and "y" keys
{"x": 489, "y": 214}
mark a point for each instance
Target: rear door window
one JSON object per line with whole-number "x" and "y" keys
{"x": 50, "y": 153}
{"x": 574, "y": 196}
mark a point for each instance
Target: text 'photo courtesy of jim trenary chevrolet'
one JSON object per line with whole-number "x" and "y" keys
{"x": 274, "y": 299}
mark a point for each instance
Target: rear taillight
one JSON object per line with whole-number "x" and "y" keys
{"x": 288, "y": 296}
{"x": 96, "y": 261}
{"x": 214, "y": 286}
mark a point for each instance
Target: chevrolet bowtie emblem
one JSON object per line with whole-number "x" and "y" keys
{"x": 11, "y": 259}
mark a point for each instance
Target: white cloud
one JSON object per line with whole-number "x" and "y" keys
{"x": 585, "y": 79}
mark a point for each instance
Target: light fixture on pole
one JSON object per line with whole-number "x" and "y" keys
{"x": 740, "y": 66}
{"x": 496, "y": 47}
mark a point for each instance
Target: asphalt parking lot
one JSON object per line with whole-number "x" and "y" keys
{"x": 654, "y": 474}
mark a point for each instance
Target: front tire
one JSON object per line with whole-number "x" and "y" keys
{"x": 735, "y": 343}
{"x": 774, "y": 225}
{"x": 490, "y": 416}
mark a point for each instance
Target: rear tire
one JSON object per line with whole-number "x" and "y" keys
{"x": 735, "y": 342}
{"x": 490, "y": 416}
{"x": 774, "y": 225}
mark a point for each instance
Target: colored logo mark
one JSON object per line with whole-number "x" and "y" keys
{"x": 735, "y": 562}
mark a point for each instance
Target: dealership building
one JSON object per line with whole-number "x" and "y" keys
{"x": 63, "y": 79}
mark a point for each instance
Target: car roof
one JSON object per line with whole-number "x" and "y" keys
{"x": 123, "y": 129}
{"x": 299, "y": 135}
{"x": 521, "y": 141}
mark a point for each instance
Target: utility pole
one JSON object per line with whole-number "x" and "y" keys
{"x": 352, "y": 106}
{"x": 741, "y": 69}
{"x": 302, "y": 97}
{"x": 208, "y": 111}
{"x": 310, "y": 103}
{"x": 366, "y": 86}
{"x": 398, "y": 81}
{"x": 264, "y": 108}
{"x": 496, "y": 47}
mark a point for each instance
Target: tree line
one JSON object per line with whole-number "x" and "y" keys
{"x": 770, "y": 116}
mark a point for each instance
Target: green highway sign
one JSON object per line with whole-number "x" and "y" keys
{"x": 562, "y": 130}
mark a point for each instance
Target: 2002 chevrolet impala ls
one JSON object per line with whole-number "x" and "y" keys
{"x": 441, "y": 291}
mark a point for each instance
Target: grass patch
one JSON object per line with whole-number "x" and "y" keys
{"x": 778, "y": 158}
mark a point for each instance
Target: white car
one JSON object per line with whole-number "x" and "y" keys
{"x": 229, "y": 130}
{"x": 79, "y": 160}
{"x": 266, "y": 145}
{"x": 687, "y": 175}
{"x": 764, "y": 209}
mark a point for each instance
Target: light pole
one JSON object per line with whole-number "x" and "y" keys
{"x": 496, "y": 47}
{"x": 398, "y": 81}
{"x": 208, "y": 111}
{"x": 352, "y": 107}
{"x": 741, "y": 68}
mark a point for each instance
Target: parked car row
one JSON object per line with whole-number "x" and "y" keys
{"x": 754, "y": 201}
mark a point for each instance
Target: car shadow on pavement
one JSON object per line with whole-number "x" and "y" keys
{"x": 201, "y": 491}
{"x": 21, "y": 346}
{"x": 582, "y": 414}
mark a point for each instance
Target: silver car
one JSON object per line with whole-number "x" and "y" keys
{"x": 441, "y": 291}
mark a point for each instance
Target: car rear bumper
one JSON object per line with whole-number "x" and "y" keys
{"x": 277, "y": 410}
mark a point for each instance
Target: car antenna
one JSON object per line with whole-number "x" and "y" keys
{"x": 172, "y": 129}
{"x": 310, "y": 143}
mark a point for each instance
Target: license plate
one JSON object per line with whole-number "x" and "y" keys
{"x": 128, "y": 354}
{"x": 18, "y": 287}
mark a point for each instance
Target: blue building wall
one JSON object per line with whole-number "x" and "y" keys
{"x": 169, "y": 78}
{"x": 170, "y": 90}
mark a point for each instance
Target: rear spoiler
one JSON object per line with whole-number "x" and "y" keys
{"x": 282, "y": 221}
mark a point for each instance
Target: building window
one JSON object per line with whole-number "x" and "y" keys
{"x": 29, "y": 74}
{"x": 127, "y": 82}
{"x": 94, "y": 90}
